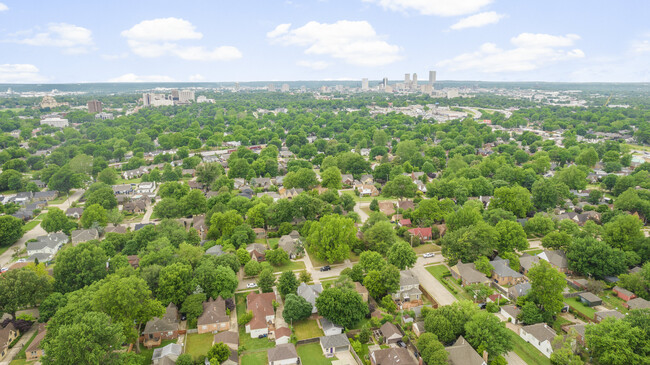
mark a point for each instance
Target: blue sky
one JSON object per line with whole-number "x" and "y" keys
{"x": 253, "y": 40}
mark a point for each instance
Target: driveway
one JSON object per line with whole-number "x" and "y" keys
{"x": 513, "y": 359}
{"x": 433, "y": 286}
{"x": 362, "y": 215}
{"x": 344, "y": 358}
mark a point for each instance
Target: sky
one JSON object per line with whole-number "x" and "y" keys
{"x": 72, "y": 41}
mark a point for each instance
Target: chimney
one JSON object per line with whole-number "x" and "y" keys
{"x": 485, "y": 357}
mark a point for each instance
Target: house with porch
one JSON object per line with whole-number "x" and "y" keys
{"x": 539, "y": 335}
{"x": 409, "y": 287}
{"x": 163, "y": 328}
{"x": 334, "y": 344}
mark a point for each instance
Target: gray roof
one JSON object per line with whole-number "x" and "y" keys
{"x": 169, "y": 322}
{"x": 227, "y": 337}
{"x": 42, "y": 257}
{"x": 334, "y": 341}
{"x": 327, "y": 324}
{"x": 393, "y": 356}
{"x": 83, "y": 235}
{"x": 579, "y": 328}
{"x": 511, "y": 310}
{"x": 215, "y": 250}
{"x": 555, "y": 258}
{"x": 282, "y": 352}
{"x": 469, "y": 273}
{"x": 288, "y": 244}
{"x": 310, "y": 292}
{"x": 590, "y": 297}
{"x": 638, "y": 303}
{"x": 541, "y": 331}
{"x": 51, "y": 240}
{"x": 171, "y": 349}
{"x": 609, "y": 313}
{"x": 462, "y": 353}
{"x": 502, "y": 269}
{"x": 519, "y": 289}
{"x": 389, "y": 330}
{"x": 407, "y": 277}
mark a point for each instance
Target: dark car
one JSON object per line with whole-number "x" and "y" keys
{"x": 325, "y": 268}
{"x": 482, "y": 305}
{"x": 262, "y": 335}
{"x": 183, "y": 317}
{"x": 401, "y": 344}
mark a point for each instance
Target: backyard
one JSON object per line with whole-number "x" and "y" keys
{"x": 577, "y": 305}
{"x": 313, "y": 354}
{"x": 307, "y": 328}
{"x": 254, "y": 358}
{"x": 245, "y": 340}
{"x": 146, "y": 354}
{"x": 528, "y": 352}
{"x": 611, "y": 301}
{"x": 198, "y": 344}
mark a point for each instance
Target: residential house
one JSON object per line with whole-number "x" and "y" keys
{"x": 418, "y": 328}
{"x": 330, "y": 328}
{"x": 48, "y": 195}
{"x": 138, "y": 206}
{"x": 39, "y": 184}
{"x": 467, "y": 273}
{"x": 390, "y": 333}
{"x": 230, "y": 338}
{"x": 333, "y": 344}
{"x": 239, "y": 182}
{"x": 347, "y": 179}
{"x": 387, "y": 208}
{"x": 310, "y": 293}
{"x": 580, "y": 330}
{"x": 404, "y": 223}
{"x": 366, "y": 190}
{"x": 601, "y": 315}
{"x": 361, "y": 290}
{"x": 216, "y": 250}
{"x": 518, "y": 290}
{"x": 590, "y": 299}
{"x": 289, "y": 193}
{"x": 263, "y": 313}
{"x": 282, "y": 335}
{"x": 510, "y": 312}
{"x": 423, "y": 234}
{"x": 637, "y": 303}
{"x": 134, "y": 261}
{"x": 74, "y": 212}
{"x": 122, "y": 189}
{"x": 7, "y": 335}
{"x": 292, "y": 244}
{"x": 406, "y": 204}
{"x": 24, "y": 214}
{"x": 367, "y": 179}
{"x": 198, "y": 223}
{"x": 35, "y": 351}
{"x": 163, "y": 328}
{"x": 503, "y": 274}
{"x": 46, "y": 247}
{"x": 284, "y": 354}
{"x": 556, "y": 258}
{"x": 260, "y": 233}
{"x": 257, "y": 256}
{"x": 409, "y": 287}
{"x": 114, "y": 229}
{"x": 539, "y": 335}
{"x": 527, "y": 261}
{"x": 214, "y": 317}
{"x": 392, "y": 356}
{"x": 462, "y": 353}
{"x": 272, "y": 194}
{"x": 84, "y": 235}
{"x": 146, "y": 188}
{"x": 163, "y": 355}
{"x": 624, "y": 294}
{"x": 261, "y": 182}
{"x": 23, "y": 198}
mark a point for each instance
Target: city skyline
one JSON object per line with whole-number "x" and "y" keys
{"x": 323, "y": 40}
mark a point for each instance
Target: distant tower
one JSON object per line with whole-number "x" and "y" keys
{"x": 414, "y": 84}
{"x": 407, "y": 79}
{"x": 432, "y": 78}
{"x": 146, "y": 99}
{"x": 270, "y": 87}
{"x": 364, "y": 84}
{"x": 385, "y": 82}
{"x": 176, "y": 95}
{"x": 94, "y": 106}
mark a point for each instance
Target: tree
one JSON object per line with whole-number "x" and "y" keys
{"x": 216, "y": 280}
{"x": 548, "y": 193}
{"x": 168, "y": 208}
{"x": 401, "y": 255}
{"x": 91, "y": 338}
{"x": 296, "y": 308}
{"x": 388, "y": 304}
{"x": 573, "y": 176}
{"x": 623, "y": 232}
{"x": 546, "y": 287}
{"x": 530, "y": 313}
{"x": 379, "y": 283}
{"x": 252, "y": 268}
{"x": 304, "y": 178}
{"x": 94, "y": 214}
{"x": 223, "y": 224}
{"x": 64, "y": 179}
{"x": 371, "y": 260}
{"x": 266, "y": 281}
{"x": 448, "y": 322}
{"x": 374, "y": 205}
{"x": 380, "y": 236}
{"x": 304, "y": 276}
{"x": 515, "y": 199}
{"x": 218, "y": 353}
{"x": 468, "y": 243}
{"x": 588, "y": 157}
{"x": 194, "y": 203}
{"x": 185, "y": 359}
{"x": 400, "y": 186}
{"x": 79, "y": 266}
{"x": 485, "y": 331}
{"x": 467, "y": 215}
{"x": 11, "y": 229}
{"x": 614, "y": 342}
{"x": 478, "y": 291}
{"x": 103, "y": 196}
{"x": 431, "y": 350}
{"x": 128, "y": 301}
{"x": 277, "y": 257}
{"x": 256, "y": 216}
{"x": 55, "y": 220}
{"x": 22, "y": 288}
{"x": 207, "y": 173}
{"x": 511, "y": 237}
{"x": 483, "y": 265}
{"x": 590, "y": 256}
{"x": 242, "y": 255}
{"x": 331, "y": 237}
{"x": 193, "y": 308}
{"x": 557, "y": 240}
{"x": 539, "y": 225}
{"x": 344, "y": 307}
{"x": 175, "y": 283}
{"x": 563, "y": 353}
{"x": 331, "y": 178}
{"x": 108, "y": 176}
{"x": 287, "y": 283}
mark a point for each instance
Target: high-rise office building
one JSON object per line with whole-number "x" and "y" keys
{"x": 94, "y": 106}
{"x": 364, "y": 84}
{"x": 185, "y": 96}
{"x": 414, "y": 83}
{"x": 407, "y": 79}
{"x": 432, "y": 77}
{"x": 175, "y": 95}
{"x": 384, "y": 83}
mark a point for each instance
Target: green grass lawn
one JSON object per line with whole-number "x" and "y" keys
{"x": 30, "y": 225}
{"x": 363, "y": 323}
{"x": 313, "y": 354}
{"x": 256, "y": 358}
{"x": 21, "y": 362}
{"x": 559, "y": 322}
{"x": 40, "y": 217}
{"x": 438, "y": 272}
{"x": 245, "y": 339}
{"x": 273, "y": 242}
{"x": 307, "y": 328}
{"x": 428, "y": 247}
{"x": 198, "y": 344}
{"x": 146, "y": 354}
{"x": 534, "y": 252}
{"x": 578, "y": 306}
{"x": 290, "y": 266}
{"x": 58, "y": 200}
{"x": 528, "y": 352}
{"x": 315, "y": 260}
{"x": 121, "y": 180}
{"x": 611, "y": 301}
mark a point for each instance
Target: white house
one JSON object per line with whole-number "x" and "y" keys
{"x": 330, "y": 328}
{"x": 539, "y": 335}
{"x": 284, "y": 354}
{"x": 47, "y": 246}
{"x": 510, "y": 312}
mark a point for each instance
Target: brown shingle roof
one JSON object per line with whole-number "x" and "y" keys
{"x": 214, "y": 311}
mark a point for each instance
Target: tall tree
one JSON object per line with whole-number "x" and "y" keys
{"x": 266, "y": 280}
{"x": 22, "y": 288}
{"x": 401, "y": 255}
{"x": 11, "y": 229}
{"x": 546, "y": 287}
{"x": 485, "y": 331}
{"x": 94, "y": 215}
{"x": 296, "y": 308}
{"x": 511, "y": 237}
{"x": 515, "y": 199}
{"x": 175, "y": 283}
{"x": 344, "y": 307}
{"x": 332, "y": 237}
{"x": 614, "y": 342}
{"x": 287, "y": 283}
{"x": 55, "y": 220}
{"x": 331, "y": 178}
{"x": 79, "y": 266}
{"x": 400, "y": 186}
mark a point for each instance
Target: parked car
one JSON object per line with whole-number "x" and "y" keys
{"x": 4, "y": 269}
{"x": 428, "y": 255}
{"x": 183, "y": 317}
{"x": 262, "y": 335}
{"x": 251, "y": 285}
{"x": 21, "y": 260}
{"x": 482, "y": 305}
{"x": 325, "y": 268}
{"x": 401, "y": 344}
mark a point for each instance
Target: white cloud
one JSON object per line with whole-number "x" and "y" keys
{"x": 71, "y": 38}
{"x": 531, "y": 52}
{"x": 354, "y": 42}
{"x": 314, "y": 65}
{"x": 478, "y": 20}
{"x": 111, "y": 57}
{"x": 3, "y": 7}
{"x": 20, "y": 73}
{"x": 196, "y": 77}
{"x": 434, "y": 7}
{"x": 641, "y": 45}
{"x": 160, "y": 37}
{"x": 130, "y": 77}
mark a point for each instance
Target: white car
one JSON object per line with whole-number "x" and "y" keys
{"x": 4, "y": 269}
{"x": 22, "y": 260}
{"x": 251, "y": 285}
{"x": 428, "y": 254}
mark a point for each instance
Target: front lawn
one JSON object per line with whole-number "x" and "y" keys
{"x": 30, "y": 225}
{"x": 290, "y": 266}
{"x": 528, "y": 352}
{"x": 313, "y": 354}
{"x": 254, "y": 358}
{"x": 427, "y": 247}
{"x": 273, "y": 242}
{"x": 610, "y": 300}
{"x": 198, "y": 344}
{"x": 315, "y": 260}
{"x": 441, "y": 273}
{"x": 307, "y": 328}
{"x": 577, "y": 305}
{"x": 58, "y": 200}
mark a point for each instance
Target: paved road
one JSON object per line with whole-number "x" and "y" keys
{"x": 513, "y": 359}
{"x": 431, "y": 284}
